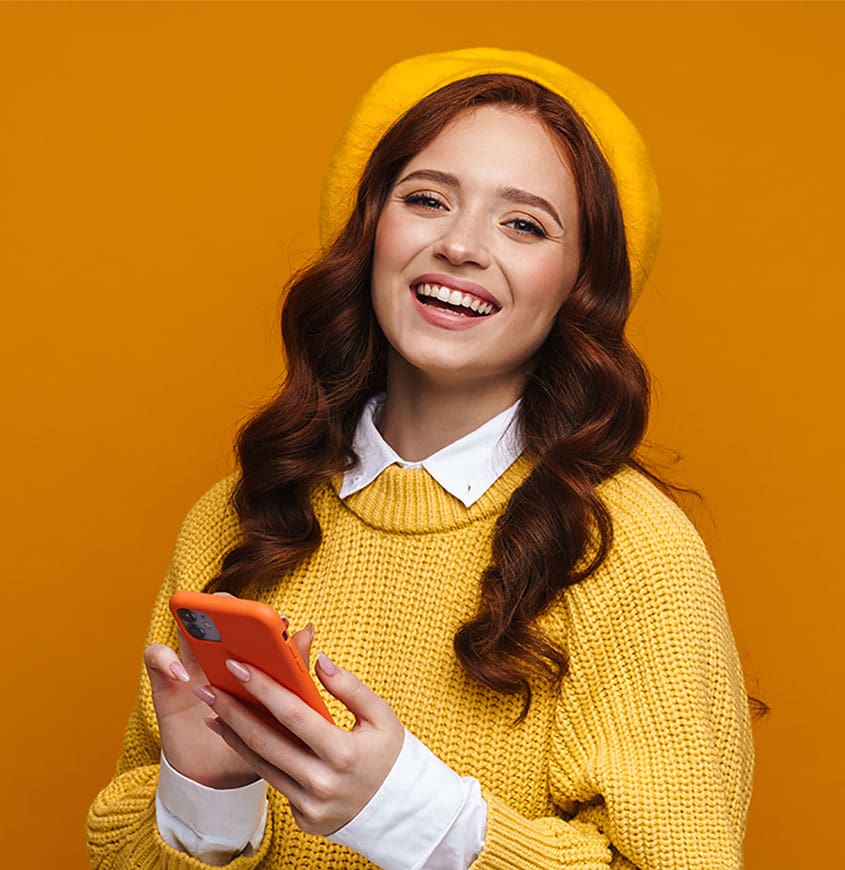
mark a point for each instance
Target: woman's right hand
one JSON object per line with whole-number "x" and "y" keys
{"x": 187, "y": 742}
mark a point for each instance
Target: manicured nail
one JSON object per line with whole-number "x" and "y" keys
{"x": 178, "y": 671}
{"x": 327, "y": 666}
{"x": 238, "y": 670}
{"x": 310, "y": 629}
{"x": 204, "y": 694}
{"x": 215, "y": 725}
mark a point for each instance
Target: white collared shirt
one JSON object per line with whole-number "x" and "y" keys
{"x": 466, "y": 468}
{"x": 424, "y": 815}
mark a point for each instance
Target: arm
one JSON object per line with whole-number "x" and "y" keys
{"x": 122, "y": 828}
{"x": 649, "y": 757}
{"x": 211, "y": 824}
{"x": 375, "y": 788}
{"x": 423, "y": 816}
{"x": 134, "y": 822}
{"x": 651, "y": 752}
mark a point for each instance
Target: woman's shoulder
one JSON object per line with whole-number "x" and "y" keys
{"x": 214, "y": 504}
{"x": 654, "y": 541}
{"x": 638, "y": 506}
{"x": 654, "y": 598}
{"x": 657, "y": 564}
{"x": 210, "y": 528}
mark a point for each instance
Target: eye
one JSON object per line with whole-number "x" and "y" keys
{"x": 524, "y": 226}
{"x": 424, "y": 199}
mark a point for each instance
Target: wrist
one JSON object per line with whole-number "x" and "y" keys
{"x": 196, "y": 768}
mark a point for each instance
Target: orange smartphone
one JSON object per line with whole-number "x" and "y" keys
{"x": 219, "y": 627}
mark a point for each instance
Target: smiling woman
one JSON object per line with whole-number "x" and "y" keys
{"x": 476, "y": 215}
{"x": 540, "y": 668}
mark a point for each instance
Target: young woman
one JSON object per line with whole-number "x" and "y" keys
{"x": 534, "y": 666}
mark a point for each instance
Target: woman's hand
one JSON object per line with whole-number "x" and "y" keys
{"x": 189, "y": 746}
{"x": 331, "y": 774}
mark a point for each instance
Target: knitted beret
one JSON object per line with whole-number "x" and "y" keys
{"x": 407, "y": 82}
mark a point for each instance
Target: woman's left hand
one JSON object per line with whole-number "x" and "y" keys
{"x": 331, "y": 775}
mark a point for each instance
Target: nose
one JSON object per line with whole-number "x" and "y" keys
{"x": 463, "y": 241}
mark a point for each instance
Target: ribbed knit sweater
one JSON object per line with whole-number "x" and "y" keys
{"x": 641, "y": 757}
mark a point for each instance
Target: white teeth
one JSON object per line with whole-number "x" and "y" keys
{"x": 454, "y": 297}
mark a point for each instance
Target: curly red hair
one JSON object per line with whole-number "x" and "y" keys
{"x": 583, "y": 412}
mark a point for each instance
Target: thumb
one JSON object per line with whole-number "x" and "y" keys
{"x": 359, "y": 698}
{"x": 189, "y": 659}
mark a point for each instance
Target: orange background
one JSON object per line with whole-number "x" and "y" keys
{"x": 159, "y": 179}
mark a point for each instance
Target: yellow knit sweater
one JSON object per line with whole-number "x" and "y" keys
{"x": 641, "y": 758}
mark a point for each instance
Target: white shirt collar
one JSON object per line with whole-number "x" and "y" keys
{"x": 466, "y": 468}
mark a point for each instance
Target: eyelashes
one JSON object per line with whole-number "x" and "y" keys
{"x": 427, "y": 200}
{"x": 521, "y": 225}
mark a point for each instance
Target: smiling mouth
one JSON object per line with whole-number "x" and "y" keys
{"x": 438, "y": 296}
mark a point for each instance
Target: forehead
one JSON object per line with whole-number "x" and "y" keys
{"x": 500, "y": 144}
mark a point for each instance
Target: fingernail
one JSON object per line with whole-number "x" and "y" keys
{"x": 238, "y": 670}
{"x": 310, "y": 629}
{"x": 178, "y": 671}
{"x": 285, "y": 620}
{"x": 215, "y": 725}
{"x": 328, "y": 667}
{"x": 204, "y": 694}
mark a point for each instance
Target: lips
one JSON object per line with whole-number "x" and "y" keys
{"x": 454, "y": 294}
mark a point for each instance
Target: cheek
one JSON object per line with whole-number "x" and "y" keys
{"x": 389, "y": 256}
{"x": 383, "y": 257}
{"x": 381, "y": 244}
{"x": 547, "y": 283}
{"x": 400, "y": 236}
{"x": 391, "y": 235}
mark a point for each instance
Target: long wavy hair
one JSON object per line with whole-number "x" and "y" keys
{"x": 582, "y": 415}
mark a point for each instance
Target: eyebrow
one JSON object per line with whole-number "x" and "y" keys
{"x": 512, "y": 194}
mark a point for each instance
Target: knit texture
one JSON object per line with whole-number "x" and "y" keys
{"x": 641, "y": 758}
{"x": 407, "y": 82}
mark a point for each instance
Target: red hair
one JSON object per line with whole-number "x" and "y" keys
{"x": 582, "y": 415}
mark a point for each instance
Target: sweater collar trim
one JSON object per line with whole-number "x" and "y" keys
{"x": 409, "y": 501}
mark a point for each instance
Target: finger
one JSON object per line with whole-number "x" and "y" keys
{"x": 367, "y": 706}
{"x": 186, "y": 654}
{"x": 164, "y": 667}
{"x": 267, "y": 748}
{"x": 279, "y": 779}
{"x": 286, "y": 707}
{"x": 302, "y": 641}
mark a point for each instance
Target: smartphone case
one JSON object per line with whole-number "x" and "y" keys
{"x": 250, "y": 632}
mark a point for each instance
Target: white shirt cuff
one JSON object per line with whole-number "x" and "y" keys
{"x": 214, "y": 825}
{"x": 423, "y": 817}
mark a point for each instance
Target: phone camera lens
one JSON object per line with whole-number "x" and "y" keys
{"x": 186, "y": 615}
{"x": 196, "y": 630}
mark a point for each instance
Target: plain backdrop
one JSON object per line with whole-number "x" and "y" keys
{"x": 160, "y": 169}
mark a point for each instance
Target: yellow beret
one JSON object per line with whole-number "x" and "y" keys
{"x": 407, "y": 82}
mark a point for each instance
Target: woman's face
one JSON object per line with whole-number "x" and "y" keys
{"x": 476, "y": 249}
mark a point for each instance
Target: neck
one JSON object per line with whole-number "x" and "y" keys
{"x": 422, "y": 415}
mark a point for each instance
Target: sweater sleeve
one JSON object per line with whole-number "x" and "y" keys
{"x": 121, "y": 825}
{"x": 651, "y": 754}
